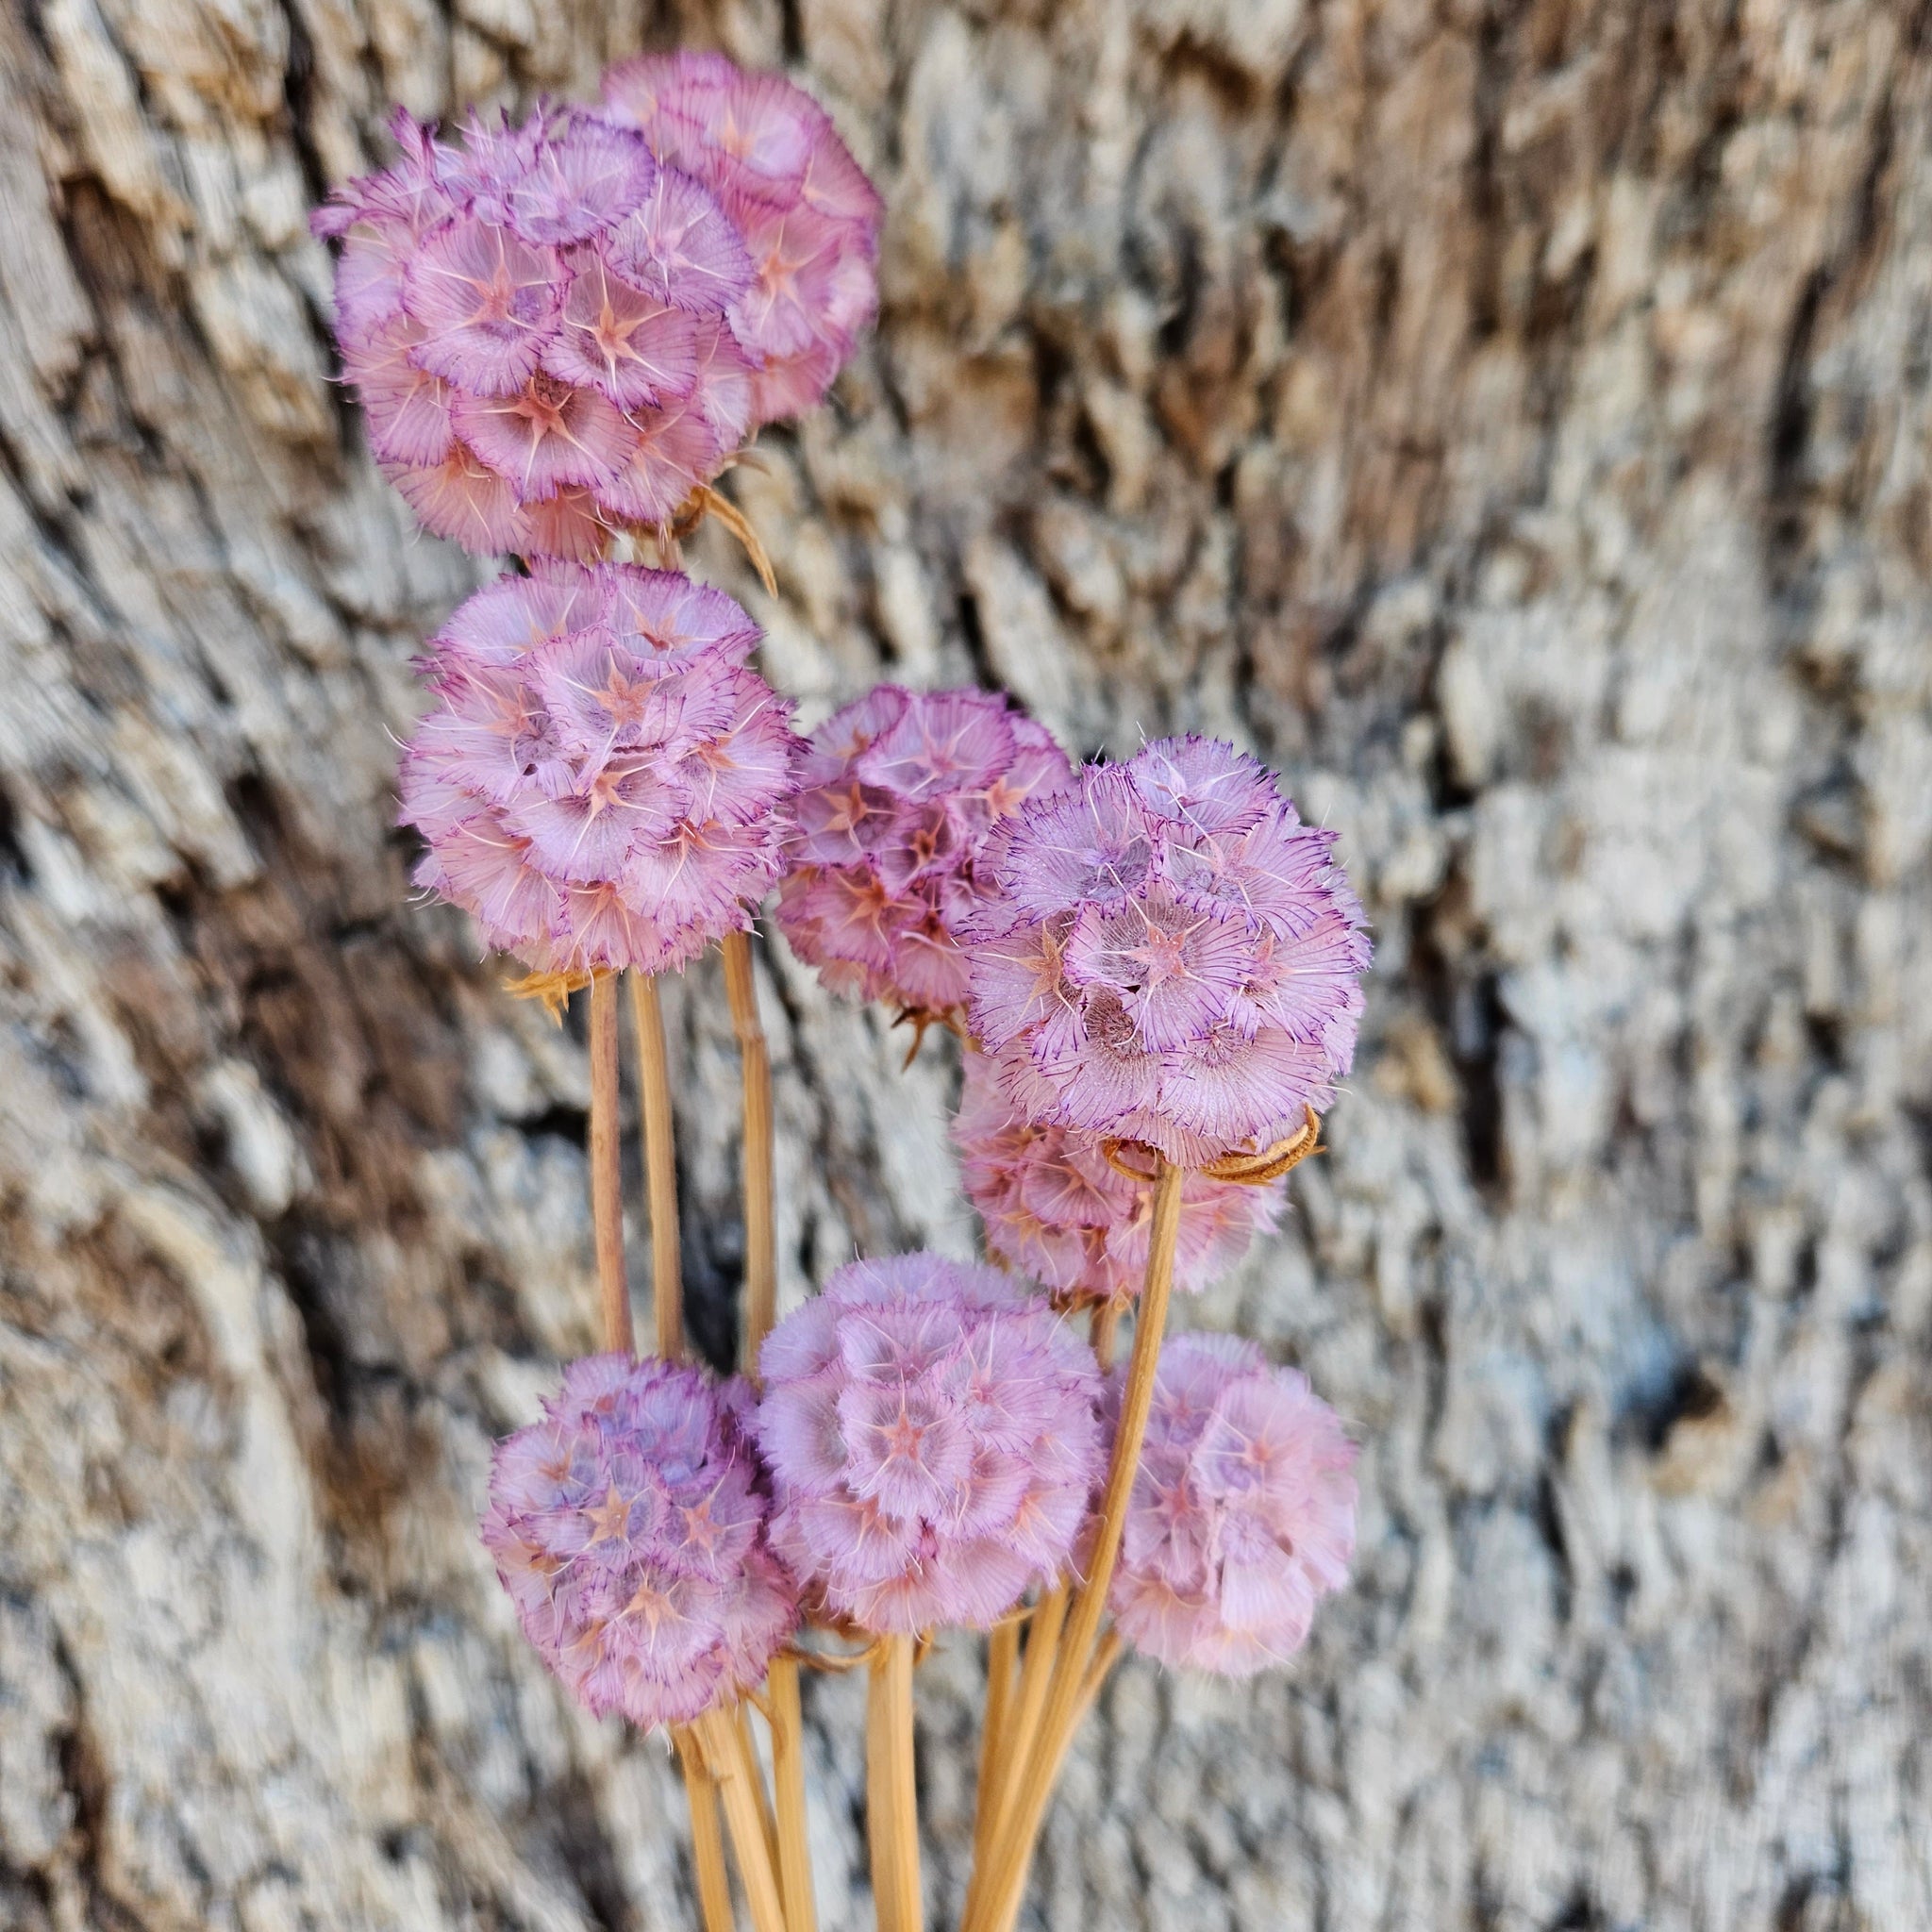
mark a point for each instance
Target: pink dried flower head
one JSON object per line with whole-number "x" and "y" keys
{"x": 630, "y": 1527}
{"x": 899, "y": 791}
{"x": 602, "y": 781}
{"x": 931, "y": 1432}
{"x": 1167, "y": 955}
{"x": 807, "y": 214}
{"x": 536, "y": 322}
{"x": 1056, "y": 1209}
{"x": 1242, "y": 1511}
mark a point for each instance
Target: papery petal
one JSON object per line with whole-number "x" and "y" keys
{"x": 681, "y": 246}
{"x": 487, "y": 303}
{"x": 546, "y": 436}
{"x": 463, "y": 499}
{"x": 630, "y": 346}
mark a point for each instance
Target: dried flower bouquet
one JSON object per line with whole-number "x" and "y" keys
{"x": 562, "y": 333}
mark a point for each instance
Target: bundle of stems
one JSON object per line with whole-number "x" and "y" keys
{"x": 1036, "y": 1695}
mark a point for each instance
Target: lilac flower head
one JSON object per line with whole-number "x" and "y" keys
{"x": 602, "y": 781}
{"x": 1056, "y": 1209}
{"x": 1168, "y": 956}
{"x": 808, "y": 217}
{"x": 630, "y": 1528}
{"x": 536, "y": 323}
{"x": 1242, "y": 1511}
{"x": 898, "y": 793}
{"x": 932, "y": 1431}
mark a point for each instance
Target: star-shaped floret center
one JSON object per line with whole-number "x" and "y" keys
{"x": 609, "y": 1522}
{"x": 701, "y": 1533}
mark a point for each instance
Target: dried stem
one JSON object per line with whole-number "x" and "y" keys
{"x": 788, "y": 1779}
{"x": 748, "y": 1751}
{"x": 1029, "y": 1703}
{"x": 1105, "y": 1653}
{"x": 660, "y": 1165}
{"x": 1105, "y": 1330}
{"x": 892, "y": 1801}
{"x": 707, "y": 1838}
{"x": 606, "y": 1184}
{"x": 761, "y": 1233}
{"x": 997, "y": 1903}
{"x": 728, "y": 1756}
{"x": 1002, "y": 1658}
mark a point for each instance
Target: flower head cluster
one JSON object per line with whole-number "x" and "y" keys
{"x": 897, "y": 794}
{"x": 602, "y": 781}
{"x": 630, "y": 1528}
{"x": 556, "y": 333}
{"x": 807, "y": 217}
{"x": 1242, "y": 1511}
{"x": 1058, "y": 1209}
{"x": 932, "y": 1431}
{"x": 1170, "y": 954}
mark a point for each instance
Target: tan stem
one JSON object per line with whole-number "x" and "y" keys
{"x": 707, "y": 1840}
{"x": 760, "y": 1229}
{"x": 892, "y": 1800}
{"x": 788, "y": 1779}
{"x": 1105, "y": 1653}
{"x": 606, "y": 1180}
{"x": 1002, "y": 1656}
{"x": 877, "y": 1823}
{"x": 660, "y": 1165}
{"x": 998, "y": 1902}
{"x": 748, "y": 1752}
{"x": 739, "y": 1789}
{"x": 1029, "y": 1703}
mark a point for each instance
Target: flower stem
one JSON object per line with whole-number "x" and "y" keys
{"x": 998, "y": 1902}
{"x": 728, "y": 1755}
{"x": 760, "y": 1234}
{"x": 1002, "y": 1658}
{"x": 793, "y": 1849}
{"x": 891, "y": 1799}
{"x": 1035, "y": 1679}
{"x": 606, "y": 1186}
{"x": 787, "y": 1779}
{"x": 707, "y": 1840}
{"x": 660, "y": 1165}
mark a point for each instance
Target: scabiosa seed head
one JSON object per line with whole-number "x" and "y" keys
{"x": 932, "y": 1436}
{"x": 1056, "y": 1209}
{"x": 898, "y": 792}
{"x": 630, "y": 1528}
{"x": 1242, "y": 1511}
{"x": 1167, "y": 955}
{"x": 808, "y": 216}
{"x": 602, "y": 781}
{"x": 535, "y": 320}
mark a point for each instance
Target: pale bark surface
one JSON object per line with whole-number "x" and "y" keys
{"x": 1513, "y": 421}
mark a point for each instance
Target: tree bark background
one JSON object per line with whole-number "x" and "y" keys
{"x": 1512, "y": 419}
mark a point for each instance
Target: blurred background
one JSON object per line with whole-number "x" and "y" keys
{"x": 1511, "y": 419}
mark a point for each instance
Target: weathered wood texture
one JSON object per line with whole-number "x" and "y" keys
{"x": 1513, "y": 419}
